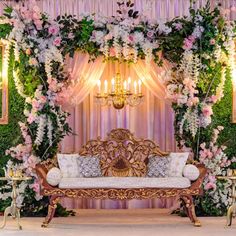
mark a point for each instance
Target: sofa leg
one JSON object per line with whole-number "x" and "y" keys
{"x": 51, "y": 210}
{"x": 190, "y": 209}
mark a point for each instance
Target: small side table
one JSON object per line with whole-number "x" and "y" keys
{"x": 231, "y": 210}
{"x": 13, "y": 209}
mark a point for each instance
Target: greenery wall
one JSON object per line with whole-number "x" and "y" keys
{"x": 10, "y": 134}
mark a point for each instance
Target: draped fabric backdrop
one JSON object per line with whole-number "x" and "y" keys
{"x": 152, "y": 119}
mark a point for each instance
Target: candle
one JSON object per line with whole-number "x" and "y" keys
{"x": 129, "y": 82}
{"x": 99, "y": 86}
{"x": 112, "y": 85}
{"x": 135, "y": 87}
{"x": 125, "y": 85}
{"x": 105, "y": 86}
{"x": 139, "y": 86}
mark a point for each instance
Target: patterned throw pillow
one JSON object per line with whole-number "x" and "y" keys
{"x": 158, "y": 166}
{"x": 68, "y": 165}
{"x": 177, "y": 163}
{"x": 89, "y": 166}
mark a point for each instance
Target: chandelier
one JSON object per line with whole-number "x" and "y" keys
{"x": 120, "y": 93}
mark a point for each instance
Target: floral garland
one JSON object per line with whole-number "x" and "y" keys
{"x": 41, "y": 45}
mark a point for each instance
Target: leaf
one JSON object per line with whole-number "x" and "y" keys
{"x": 130, "y": 12}
{"x": 135, "y": 15}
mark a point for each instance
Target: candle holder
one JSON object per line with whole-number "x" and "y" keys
{"x": 120, "y": 94}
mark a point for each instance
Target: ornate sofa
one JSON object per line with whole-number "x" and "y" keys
{"x": 121, "y": 156}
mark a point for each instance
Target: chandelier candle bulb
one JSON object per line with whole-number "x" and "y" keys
{"x": 135, "y": 87}
{"x": 99, "y": 86}
{"x": 125, "y": 85}
{"x": 139, "y": 86}
{"x": 129, "y": 82}
{"x": 112, "y": 85}
{"x": 105, "y": 87}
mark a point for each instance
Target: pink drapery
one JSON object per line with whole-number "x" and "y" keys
{"x": 152, "y": 119}
{"x": 153, "y": 9}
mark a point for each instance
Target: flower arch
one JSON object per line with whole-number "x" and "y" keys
{"x": 200, "y": 48}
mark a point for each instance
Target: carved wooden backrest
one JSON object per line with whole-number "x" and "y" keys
{"x": 122, "y": 154}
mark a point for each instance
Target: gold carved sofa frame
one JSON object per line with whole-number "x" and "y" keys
{"x": 121, "y": 154}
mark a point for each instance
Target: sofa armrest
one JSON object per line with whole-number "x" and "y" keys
{"x": 198, "y": 183}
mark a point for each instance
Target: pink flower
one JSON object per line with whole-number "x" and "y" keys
{"x": 33, "y": 61}
{"x": 191, "y": 38}
{"x": 31, "y": 118}
{"x": 43, "y": 99}
{"x": 207, "y": 110}
{"x": 150, "y": 34}
{"x": 193, "y": 101}
{"x": 35, "y": 104}
{"x": 36, "y": 187}
{"x": 112, "y": 52}
{"x": 53, "y": 29}
{"x": 36, "y": 16}
{"x": 71, "y": 35}
{"x": 38, "y": 24}
{"x": 28, "y": 51}
{"x": 178, "y": 26}
{"x": 108, "y": 36}
{"x": 32, "y": 161}
{"x": 187, "y": 44}
{"x": 210, "y": 185}
{"x": 212, "y": 42}
{"x": 131, "y": 38}
{"x": 57, "y": 41}
{"x": 213, "y": 98}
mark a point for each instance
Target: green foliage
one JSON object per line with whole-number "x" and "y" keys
{"x": 223, "y": 116}
{"x": 10, "y": 134}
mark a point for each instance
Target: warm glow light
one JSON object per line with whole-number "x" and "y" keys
{"x": 234, "y": 78}
{"x": 112, "y": 85}
{"x": 135, "y": 87}
{"x": 105, "y": 86}
{"x": 139, "y": 86}
{"x": 99, "y": 86}
{"x": 129, "y": 82}
{"x": 125, "y": 85}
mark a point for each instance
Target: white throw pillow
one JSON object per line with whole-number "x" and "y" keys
{"x": 191, "y": 172}
{"x": 68, "y": 165}
{"x": 54, "y": 176}
{"x": 177, "y": 163}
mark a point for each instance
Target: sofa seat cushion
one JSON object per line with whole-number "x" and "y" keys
{"x": 124, "y": 182}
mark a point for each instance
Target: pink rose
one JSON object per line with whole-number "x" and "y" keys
{"x": 210, "y": 185}
{"x": 28, "y": 51}
{"x": 53, "y": 29}
{"x": 33, "y": 61}
{"x": 187, "y": 44}
{"x": 150, "y": 34}
{"x": 57, "y": 41}
{"x": 36, "y": 16}
{"x": 207, "y": 110}
{"x": 131, "y": 38}
{"x": 212, "y": 42}
{"x": 191, "y": 38}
